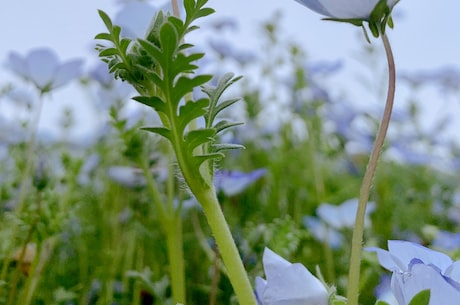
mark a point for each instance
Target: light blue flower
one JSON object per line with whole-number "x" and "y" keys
{"x": 234, "y": 182}
{"x": 43, "y": 68}
{"x": 416, "y": 268}
{"x": 340, "y": 9}
{"x": 288, "y": 284}
{"x": 342, "y": 216}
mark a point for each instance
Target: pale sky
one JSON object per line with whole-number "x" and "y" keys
{"x": 426, "y": 33}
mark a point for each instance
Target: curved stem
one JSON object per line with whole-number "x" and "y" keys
{"x": 227, "y": 248}
{"x": 358, "y": 232}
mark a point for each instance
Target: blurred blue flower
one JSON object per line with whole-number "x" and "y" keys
{"x": 333, "y": 218}
{"x": 234, "y": 182}
{"x": 288, "y": 284}
{"x": 352, "y": 9}
{"x": 416, "y": 268}
{"x": 135, "y": 18}
{"x": 447, "y": 78}
{"x": 323, "y": 232}
{"x": 343, "y": 216}
{"x": 226, "y": 50}
{"x": 43, "y": 68}
{"x": 446, "y": 241}
{"x": 110, "y": 91}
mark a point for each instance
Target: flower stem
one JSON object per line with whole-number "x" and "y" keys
{"x": 358, "y": 232}
{"x": 227, "y": 248}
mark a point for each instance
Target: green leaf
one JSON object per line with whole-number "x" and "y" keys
{"x": 162, "y": 131}
{"x": 108, "y": 52}
{"x": 169, "y": 42}
{"x": 103, "y": 36}
{"x": 152, "y": 101}
{"x": 215, "y": 94}
{"x": 196, "y": 137}
{"x": 190, "y": 111}
{"x": 226, "y": 146}
{"x": 224, "y": 124}
{"x": 380, "y": 302}
{"x": 198, "y": 160}
{"x": 106, "y": 19}
{"x": 421, "y": 298}
{"x": 185, "y": 85}
{"x": 354, "y": 21}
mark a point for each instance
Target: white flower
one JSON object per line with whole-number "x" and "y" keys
{"x": 288, "y": 284}
{"x": 43, "y": 68}
{"x": 344, "y": 9}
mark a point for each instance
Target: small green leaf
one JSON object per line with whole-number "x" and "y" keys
{"x": 108, "y": 52}
{"x": 169, "y": 42}
{"x": 185, "y": 85}
{"x": 190, "y": 111}
{"x": 162, "y": 131}
{"x": 357, "y": 22}
{"x": 380, "y": 302}
{"x": 226, "y": 146}
{"x": 106, "y": 19}
{"x": 152, "y": 101}
{"x": 224, "y": 124}
{"x": 103, "y": 36}
{"x": 421, "y": 298}
{"x": 196, "y": 137}
{"x": 202, "y": 158}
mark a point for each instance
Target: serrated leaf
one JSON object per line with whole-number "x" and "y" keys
{"x": 106, "y": 19}
{"x": 196, "y": 137}
{"x": 152, "y": 101}
{"x": 162, "y": 131}
{"x": 421, "y": 298}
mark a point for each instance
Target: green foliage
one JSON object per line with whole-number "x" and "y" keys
{"x": 163, "y": 70}
{"x": 421, "y": 298}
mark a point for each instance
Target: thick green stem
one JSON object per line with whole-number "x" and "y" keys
{"x": 172, "y": 227}
{"x": 227, "y": 248}
{"x": 358, "y": 232}
{"x": 176, "y": 259}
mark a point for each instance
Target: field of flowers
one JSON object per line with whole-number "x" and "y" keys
{"x": 201, "y": 186}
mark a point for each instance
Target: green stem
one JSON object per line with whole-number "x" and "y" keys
{"x": 172, "y": 227}
{"x": 176, "y": 259}
{"x": 358, "y": 232}
{"x": 227, "y": 248}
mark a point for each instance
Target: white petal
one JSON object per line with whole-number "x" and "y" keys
{"x": 406, "y": 285}
{"x": 406, "y": 251}
{"x": 42, "y": 66}
{"x": 67, "y": 71}
{"x": 295, "y": 285}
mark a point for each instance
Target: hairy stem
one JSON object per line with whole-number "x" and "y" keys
{"x": 358, "y": 232}
{"x": 227, "y": 248}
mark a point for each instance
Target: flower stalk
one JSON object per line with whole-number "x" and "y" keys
{"x": 358, "y": 232}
